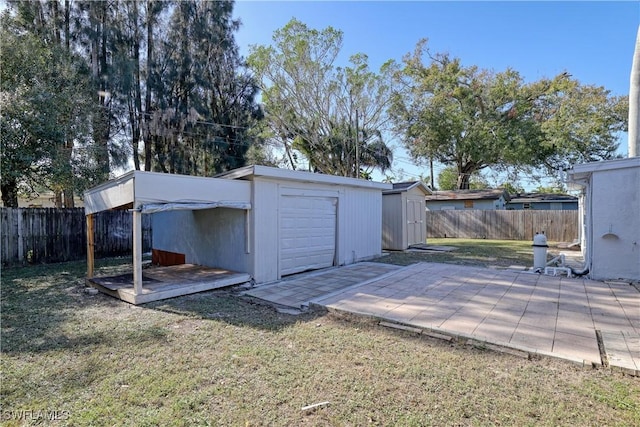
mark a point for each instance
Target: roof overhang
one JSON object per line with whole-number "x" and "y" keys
{"x": 152, "y": 192}
{"x": 580, "y": 174}
{"x": 251, "y": 172}
{"x": 418, "y": 184}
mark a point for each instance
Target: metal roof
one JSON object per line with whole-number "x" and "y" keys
{"x": 399, "y": 187}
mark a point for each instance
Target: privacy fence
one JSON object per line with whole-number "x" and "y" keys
{"x": 558, "y": 226}
{"x": 54, "y": 235}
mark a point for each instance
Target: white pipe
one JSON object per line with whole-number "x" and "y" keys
{"x": 556, "y": 259}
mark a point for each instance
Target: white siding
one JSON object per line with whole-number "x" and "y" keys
{"x": 141, "y": 188}
{"x": 358, "y": 222}
{"x": 360, "y": 226}
{"x": 265, "y": 231}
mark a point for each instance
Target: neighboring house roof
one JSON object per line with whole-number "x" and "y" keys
{"x": 492, "y": 194}
{"x": 543, "y": 198}
{"x": 399, "y": 187}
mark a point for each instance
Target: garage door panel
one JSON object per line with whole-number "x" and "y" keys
{"x": 307, "y": 233}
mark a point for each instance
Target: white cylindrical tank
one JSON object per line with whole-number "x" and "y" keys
{"x": 539, "y": 251}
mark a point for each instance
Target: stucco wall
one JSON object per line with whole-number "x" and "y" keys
{"x": 615, "y": 219}
{"x": 210, "y": 237}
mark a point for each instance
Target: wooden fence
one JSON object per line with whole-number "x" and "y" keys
{"x": 558, "y": 226}
{"x": 44, "y": 235}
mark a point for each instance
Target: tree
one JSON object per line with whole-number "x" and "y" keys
{"x": 559, "y": 189}
{"x": 334, "y": 117}
{"x": 45, "y": 96}
{"x": 475, "y": 119}
{"x": 448, "y": 180}
{"x": 202, "y": 118}
{"x": 512, "y": 188}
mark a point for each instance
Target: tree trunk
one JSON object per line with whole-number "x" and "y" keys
{"x": 150, "y": 80}
{"x": 463, "y": 181}
{"x": 9, "y": 193}
{"x": 101, "y": 123}
{"x": 135, "y": 117}
{"x": 69, "y": 202}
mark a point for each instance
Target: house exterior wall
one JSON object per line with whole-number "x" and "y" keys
{"x": 209, "y": 237}
{"x": 615, "y": 223}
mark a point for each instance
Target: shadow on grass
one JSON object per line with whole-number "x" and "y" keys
{"x": 228, "y": 306}
{"x": 44, "y": 308}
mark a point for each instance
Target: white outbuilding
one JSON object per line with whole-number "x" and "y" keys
{"x": 404, "y": 215}
{"x": 610, "y": 207}
{"x": 256, "y": 222}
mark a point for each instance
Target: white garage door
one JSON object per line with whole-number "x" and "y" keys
{"x": 307, "y": 233}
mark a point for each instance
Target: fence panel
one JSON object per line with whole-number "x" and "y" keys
{"x": 559, "y": 226}
{"x": 43, "y": 235}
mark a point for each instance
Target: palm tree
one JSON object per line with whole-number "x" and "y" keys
{"x": 338, "y": 153}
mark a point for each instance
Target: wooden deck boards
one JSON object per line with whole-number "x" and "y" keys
{"x": 167, "y": 282}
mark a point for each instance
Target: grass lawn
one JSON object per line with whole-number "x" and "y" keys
{"x": 477, "y": 252}
{"x": 217, "y": 359}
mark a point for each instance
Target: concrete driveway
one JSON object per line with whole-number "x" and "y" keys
{"x": 580, "y": 320}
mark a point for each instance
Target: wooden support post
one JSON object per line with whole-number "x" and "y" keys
{"x": 137, "y": 252}
{"x": 90, "y": 245}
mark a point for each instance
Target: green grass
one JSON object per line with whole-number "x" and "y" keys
{"x": 477, "y": 252}
{"x": 217, "y": 359}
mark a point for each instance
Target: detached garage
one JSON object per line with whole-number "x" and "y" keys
{"x": 260, "y": 221}
{"x": 303, "y": 221}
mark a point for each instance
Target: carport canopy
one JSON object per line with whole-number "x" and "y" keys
{"x": 148, "y": 192}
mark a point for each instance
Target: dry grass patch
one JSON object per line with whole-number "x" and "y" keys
{"x": 217, "y": 359}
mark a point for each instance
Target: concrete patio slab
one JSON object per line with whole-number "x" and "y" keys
{"x": 522, "y": 311}
{"x": 296, "y": 291}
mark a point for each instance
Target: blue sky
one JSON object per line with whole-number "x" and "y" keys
{"x": 593, "y": 41}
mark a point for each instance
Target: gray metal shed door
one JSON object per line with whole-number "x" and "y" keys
{"x": 307, "y": 233}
